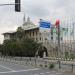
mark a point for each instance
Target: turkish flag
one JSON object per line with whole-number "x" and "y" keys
{"x": 57, "y": 23}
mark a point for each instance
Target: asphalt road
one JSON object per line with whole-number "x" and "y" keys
{"x": 7, "y": 68}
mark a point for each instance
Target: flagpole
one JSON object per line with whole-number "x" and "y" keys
{"x": 70, "y": 38}
{"x": 58, "y": 27}
{"x": 73, "y": 31}
{"x": 62, "y": 40}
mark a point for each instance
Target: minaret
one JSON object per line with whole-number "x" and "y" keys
{"x": 24, "y": 19}
{"x": 28, "y": 19}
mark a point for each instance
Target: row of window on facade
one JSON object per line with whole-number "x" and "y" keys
{"x": 45, "y": 39}
{"x": 39, "y": 36}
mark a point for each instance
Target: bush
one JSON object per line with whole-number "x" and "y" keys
{"x": 72, "y": 56}
{"x": 21, "y": 47}
{"x": 41, "y": 65}
{"x": 45, "y": 65}
{"x": 51, "y": 66}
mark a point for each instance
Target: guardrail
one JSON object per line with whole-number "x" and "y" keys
{"x": 41, "y": 62}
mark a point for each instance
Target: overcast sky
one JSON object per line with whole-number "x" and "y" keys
{"x": 36, "y": 9}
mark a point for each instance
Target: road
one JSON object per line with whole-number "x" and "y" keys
{"x": 8, "y": 68}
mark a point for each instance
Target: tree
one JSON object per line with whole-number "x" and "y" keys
{"x": 72, "y": 56}
{"x": 30, "y": 46}
{"x": 20, "y": 33}
{"x": 24, "y": 47}
{"x": 66, "y": 55}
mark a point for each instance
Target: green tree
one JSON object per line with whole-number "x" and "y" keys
{"x": 66, "y": 55}
{"x": 20, "y": 33}
{"x": 30, "y": 47}
{"x": 24, "y": 47}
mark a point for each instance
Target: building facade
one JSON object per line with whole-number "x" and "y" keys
{"x": 49, "y": 40}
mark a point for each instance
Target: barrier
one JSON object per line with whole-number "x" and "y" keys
{"x": 41, "y": 62}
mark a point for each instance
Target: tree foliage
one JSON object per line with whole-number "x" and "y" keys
{"x": 24, "y": 47}
{"x": 20, "y": 33}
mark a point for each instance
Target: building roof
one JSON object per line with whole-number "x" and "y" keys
{"x": 10, "y": 32}
{"x": 27, "y": 25}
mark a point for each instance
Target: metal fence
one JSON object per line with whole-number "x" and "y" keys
{"x": 65, "y": 66}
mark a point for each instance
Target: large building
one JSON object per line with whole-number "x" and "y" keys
{"x": 49, "y": 40}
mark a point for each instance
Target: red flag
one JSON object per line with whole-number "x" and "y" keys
{"x": 57, "y": 23}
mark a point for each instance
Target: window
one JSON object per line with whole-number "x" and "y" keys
{"x": 36, "y": 33}
{"x": 33, "y": 33}
{"x": 61, "y": 38}
{"x": 51, "y": 38}
{"x": 39, "y": 33}
{"x": 45, "y": 38}
{"x": 36, "y": 39}
{"x": 30, "y": 34}
{"x": 40, "y": 38}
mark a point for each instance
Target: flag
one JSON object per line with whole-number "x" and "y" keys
{"x": 57, "y": 23}
{"x": 45, "y": 26}
{"x": 65, "y": 31}
{"x": 54, "y": 29}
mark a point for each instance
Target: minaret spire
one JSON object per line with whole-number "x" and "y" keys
{"x": 24, "y": 19}
{"x": 28, "y": 19}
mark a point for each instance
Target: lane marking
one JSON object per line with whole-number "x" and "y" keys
{"x": 54, "y": 73}
{"x": 6, "y": 72}
{"x": 13, "y": 71}
{"x": 42, "y": 73}
{"x": 36, "y": 74}
{"x": 58, "y": 73}
{"x": 7, "y": 68}
{"x": 47, "y": 72}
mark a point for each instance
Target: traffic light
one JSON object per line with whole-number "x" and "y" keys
{"x": 17, "y": 5}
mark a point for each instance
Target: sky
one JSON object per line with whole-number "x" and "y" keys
{"x": 36, "y": 9}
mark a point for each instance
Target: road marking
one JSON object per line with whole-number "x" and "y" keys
{"x": 42, "y": 73}
{"x": 6, "y": 72}
{"x": 58, "y": 73}
{"x": 13, "y": 71}
{"x": 36, "y": 74}
{"x": 47, "y": 72}
{"x": 7, "y": 68}
{"x": 55, "y": 73}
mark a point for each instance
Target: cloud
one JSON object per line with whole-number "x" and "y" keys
{"x": 9, "y": 19}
